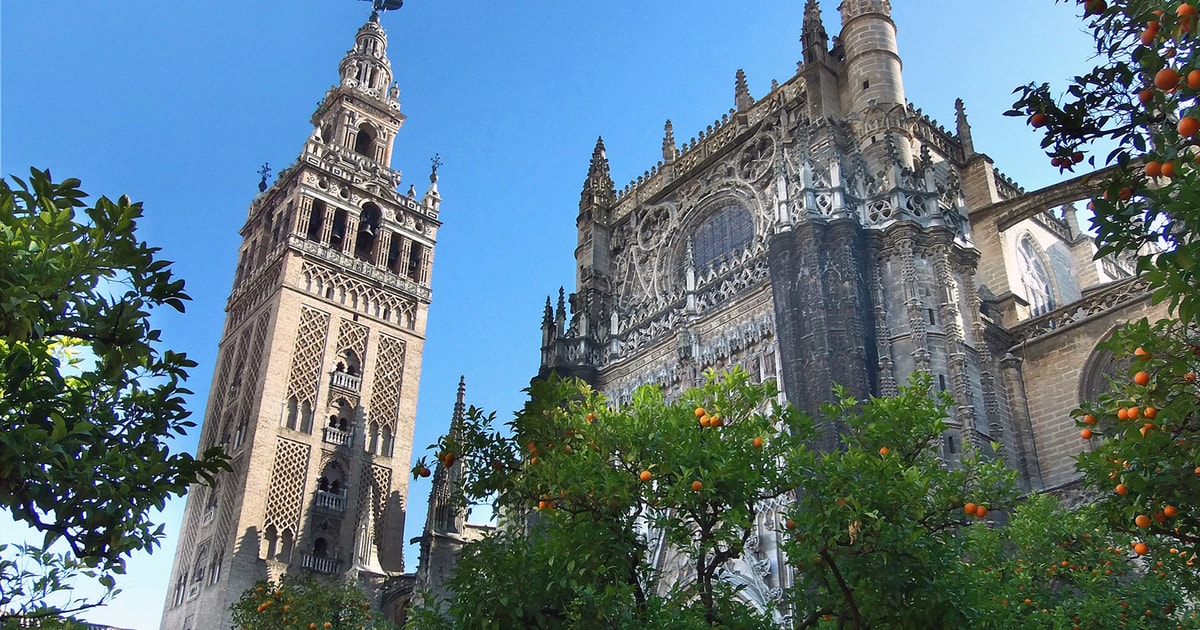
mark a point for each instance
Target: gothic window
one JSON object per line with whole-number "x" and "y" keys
{"x": 316, "y": 220}
{"x": 240, "y": 435}
{"x": 393, "y": 257}
{"x": 368, "y": 228}
{"x": 364, "y": 141}
{"x": 320, "y": 548}
{"x": 272, "y": 538}
{"x": 1035, "y": 277}
{"x": 350, "y": 363}
{"x": 287, "y": 541}
{"x": 416, "y": 261}
{"x": 215, "y": 571}
{"x": 722, "y": 236}
{"x": 181, "y": 588}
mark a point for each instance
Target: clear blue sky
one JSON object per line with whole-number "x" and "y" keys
{"x": 177, "y": 104}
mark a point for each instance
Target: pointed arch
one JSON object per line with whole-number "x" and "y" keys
{"x": 364, "y": 141}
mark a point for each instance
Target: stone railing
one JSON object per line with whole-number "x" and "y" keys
{"x": 346, "y": 381}
{"x": 361, "y": 267}
{"x": 337, "y": 436}
{"x": 320, "y": 564}
{"x": 331, "y": 501}
{"x": 1113, "y": 296}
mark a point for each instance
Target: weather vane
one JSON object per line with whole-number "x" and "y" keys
{"x": 378, "y": 6}
{"x": 265, "y": 171}
{"x": 436, "y": 161}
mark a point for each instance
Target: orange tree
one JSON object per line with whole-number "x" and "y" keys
{"x": 1143, "y": 97}
{"x": 304, "y": 603}
{"x": 877, "y": 534}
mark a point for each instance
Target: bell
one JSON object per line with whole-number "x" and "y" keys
{"x": 367, "y": 229}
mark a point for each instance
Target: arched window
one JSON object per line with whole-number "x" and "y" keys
{"x": 306, "y": 417}
{"x": 320, "y": 548}
{"x": 373, "y": 439}
{"x": 385, "y": 448}
{"x": 316, "y": 220}
{"x": 287, "y": 542}
{"x": 293, "y": 413}
{"x": 272, "y": 538}
{"x": 368, "y": 229}
{"x": 351, "y": 363}
{"x": 337, "y": 235}
{"x": 364, "y": 142}
{"x": 723, "y": 235}
{"x": 1035, "y": 277}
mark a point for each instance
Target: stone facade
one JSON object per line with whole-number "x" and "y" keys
{"x": 315, "y": 391}
{"x": 829, "y": 232}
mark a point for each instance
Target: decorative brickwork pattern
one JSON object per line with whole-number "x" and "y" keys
{"x": 353, "y": 337}
{"x": 286, "y": 498}
{"x": 339, "y": 287}
{"x": 388, "y": 382}
{"x": 307, "y": 355}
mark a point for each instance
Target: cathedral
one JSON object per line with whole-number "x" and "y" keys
{"x": 826, "y": 232}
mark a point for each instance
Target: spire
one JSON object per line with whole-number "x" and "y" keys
{"x": 964, "y": 129}
{"x": 741, "y": 92}
{"x": 813, "y": 38}
{"x": 432, "y": 198}
{"x": 598, "y": 190}
{"x": 445, "y": 516}
{"x": 670, "y": 151}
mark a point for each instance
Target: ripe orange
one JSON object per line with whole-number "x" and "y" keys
{"x": 1133, "y": 413}
{"x": 1185, "y": 9}
{"x": 1160, "y": 517}
{"x": 533, "y": 461}
{"x": 884, "y": 450}
{"x": 1193, "y": 79}
{"x": 1142, "y": 354}
{"x": 1153, "y": 168}
{"x": 1086, "y": 434}
{"x": 1125, "y": 194}
{"x": 591, "y": 417}
{"x": 716, "y": 421}
{"x": 1122, "y": 414}
{"x": 970, "y": 509}
{"x": 790, "y": 524}
{"x": 1038, "y": 119}
{"x": 1170, "y": 511}
{"x": 758, "y": 442}
{"x": 981, "y": 511}
{"x": 1166, "y": 79}
{"x": 327, "y": 625}
{"x": 1122, "y": 490}
{"x": 1190, "y": 377}
{"x": 1142, "y": 378}
{"x": 700, "y": 412}
{"x": 1149, "y": 35}
{"x": 705, "y": 421}
{"x": 1147, "y": 95}
{"x": 312, "y": 626}
{"x": 1188, "y": 126}
{"x": 645, "y": 475}
{"x": 697, "y": 486}
{"x": 1168, "y": 169}
{"x": 1142, "y": 520}
{"x": 1089, "y": 419}
{"x": 1141, "y": 549}
{"x": 1150, "y": 413}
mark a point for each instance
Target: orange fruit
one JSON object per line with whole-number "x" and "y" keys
{"x": 1185, "y": 9}
{"x": 705, "y": 421}
{"x": 1188, "y": 126}
{"x": 1086, "y": 434}
{"x": 1150, "y": 413}
{"x": 1122, "y": 490}
{"x": 591, "y": 417}
{"x": 697, "y": 486}
{"x": 1170, "y": 511}
{"x": 758, "y": 442}
{"x": 1168, "y": 169}
{"x": 645, "y": 475}
{"x": 1142, "y": 520}
{"x": 790, "y": 524}
{"x": 1142, "y": 354}
{"x": 981, "y": 511}
{"x": 533, "y": 461}
{"x": 1153, "y": 168}
{"x": 1193, "y": 79}
{"x": 1149, "y": 35}
{"x": 1142, "y": 378}
{"x": 970, "y": 509}
{"x": 700, "y": 412}
{"x": 1141, "y": 549}
{"x": 1190, "y": 377}
{"x": 1147, "y": 95}
{"x": 1160, "y": 517}
{"x": 1089, "y": 419}
{"x": 884, "y": 450}
{"x": 1166, "y": 79}
{"x": 716, "y": 421}
{"x": 1038, "y": 119}
{"x": 1133, "y": 413}
{"x": 1122, "y": 414}
{"x": 327, "y": 625}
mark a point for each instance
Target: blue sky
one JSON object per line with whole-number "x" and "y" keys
{"x": 177, "y": 105}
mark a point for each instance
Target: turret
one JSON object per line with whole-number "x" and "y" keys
{"x": 813, "y": 37}
{"x": 871, "y": 84}
{"x": 445, "y": 516}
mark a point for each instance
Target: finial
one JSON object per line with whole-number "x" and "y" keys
{"x": 548, "y": 314}
{"x": 964, "y": 129}
{"x": 813, "y": 37}
{"x": 436, "y": 162}
{"x": 670, "y": 152}
{"x": 265, "y": 172}
{"x": 741, "y": 96}
{"x": 379, "y": 6}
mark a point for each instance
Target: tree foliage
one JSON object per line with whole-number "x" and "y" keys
{"x": 1141, "y": 98}
{"x": 87, "y": 397}
{"x": 305, "y": 603}
{"x": 879, "y": 533}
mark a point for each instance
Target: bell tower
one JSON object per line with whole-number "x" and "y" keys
{"x": 315, "y": 391}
